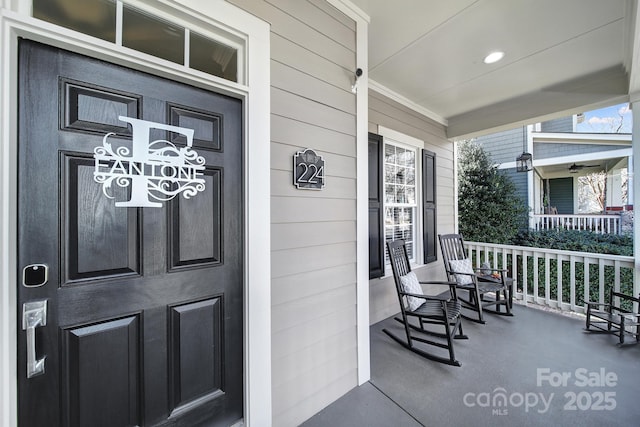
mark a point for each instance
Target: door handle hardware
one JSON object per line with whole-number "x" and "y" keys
{"x": 34, "y": 314}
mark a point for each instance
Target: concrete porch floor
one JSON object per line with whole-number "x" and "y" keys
{"x": 549, "y": 369}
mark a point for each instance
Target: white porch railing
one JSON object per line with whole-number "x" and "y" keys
{"x": 558, "y": 279}
{"x": 603, "y": 224}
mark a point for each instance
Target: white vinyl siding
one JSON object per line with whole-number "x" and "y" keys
{"x": 313, "y": 233}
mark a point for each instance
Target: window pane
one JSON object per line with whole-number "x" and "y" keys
{"x": 401, "y": 196}
{"x": 389, "y": 194}
{"x": 148, "y": 34}
{"x": 410, "y": 195}
{"x": 390, "y": 174}
{"x": 213, "y": 57}
{"x": 399, "y": 224}
{"x": 96, "y": 18}
{"x": 401, "y": 174}
{"x": 389, "y": 153}
{"x": 411, "y": 176}
{"x": 409, "y": 157}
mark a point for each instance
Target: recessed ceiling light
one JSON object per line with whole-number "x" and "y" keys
{"x": 493, "y": 57}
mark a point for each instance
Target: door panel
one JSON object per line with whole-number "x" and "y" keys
{"x": 194, "y": 241}
{"x": 195, "y": 370}
{"x": 100, "y": 240}
{"x": 117, "y": 400}
{"x": 144, "y": 322}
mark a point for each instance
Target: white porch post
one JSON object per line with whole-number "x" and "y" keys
{"x": 362, "y": 205}
{"x": 634, "y": 190}
{"x": 630, "y": 186}
{"x": 531, "y": 194}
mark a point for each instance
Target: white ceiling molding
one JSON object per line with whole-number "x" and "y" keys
{"x": 350, "y": 9}
{"x": 383, "y": 90}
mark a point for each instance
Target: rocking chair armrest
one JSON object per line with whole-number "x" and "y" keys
{"x": 502, "y": 270}
{"x": 464, "y": 274}
{"x": 481, "y": 271}
{"x": 452, "y": 286}
{"x": 438, "y": 282}
{"x": 441, "y": 297}
{"x": 597, "y": 304}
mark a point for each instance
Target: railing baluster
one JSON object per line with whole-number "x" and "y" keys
{"x": 547, "y": 278}
{"x": 559, "y": 279}
{"x": 536, "y": 276}
{"x": 499, "y": 255}
{"x": 616, "y": 280}
{"x": 525, "y": 282}
{"x": 601, "y": 280}
{"x": 587, "y": 279}
{"x": 572, "y": 283}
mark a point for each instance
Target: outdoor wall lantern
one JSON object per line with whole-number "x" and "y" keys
{"x": 524, "y": 162}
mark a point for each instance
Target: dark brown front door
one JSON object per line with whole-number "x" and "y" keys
{"x": 144, "y": 321}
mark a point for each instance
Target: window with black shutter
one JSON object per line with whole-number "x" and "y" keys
{"x": 396, "y": 202}
{"x": 429, "y": 206}
{"x": 376, "y": 229}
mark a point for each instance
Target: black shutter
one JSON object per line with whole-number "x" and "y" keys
{"x": 376, "y": 194}
{"x": 429, "y": 206}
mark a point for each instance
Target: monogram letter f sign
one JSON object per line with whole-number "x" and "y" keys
{"x": 153, "y": 169}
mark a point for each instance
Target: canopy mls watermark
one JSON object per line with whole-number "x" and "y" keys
{"x": 152, "y": 169}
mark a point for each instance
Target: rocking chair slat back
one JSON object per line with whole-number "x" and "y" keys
{"x": 477, "y": 286}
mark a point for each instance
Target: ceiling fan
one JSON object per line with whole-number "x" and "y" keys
{"x": 574, "y": 168}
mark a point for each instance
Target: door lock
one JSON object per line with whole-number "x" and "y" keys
{"x": 34, "y": 314}
{"x": 34, "y": 275}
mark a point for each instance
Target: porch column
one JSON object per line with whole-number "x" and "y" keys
{"x": 630, "y": 186}
{"x": 634, "y": 190}
{"x": 531, "y": 194}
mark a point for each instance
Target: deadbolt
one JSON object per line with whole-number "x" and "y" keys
{"x": 35, "y": 275}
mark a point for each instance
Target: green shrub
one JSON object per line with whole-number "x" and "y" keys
{"x": 488, "y": 207}
{"x": 574, "y": 240}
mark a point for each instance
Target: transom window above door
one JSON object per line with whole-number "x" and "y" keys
{"x": 144, "y": 31}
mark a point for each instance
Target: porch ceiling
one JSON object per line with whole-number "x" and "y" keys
{"x": 584, "y": 168}
{"x": 561, "y": 57}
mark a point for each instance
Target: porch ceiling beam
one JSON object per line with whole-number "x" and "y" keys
{"x": 633, "y": 51}
{"x": 601, "y": 155}
{"x": 582, "y": 138}
{"x": 601, "y": 89}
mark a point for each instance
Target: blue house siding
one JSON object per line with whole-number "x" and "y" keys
{"x": 561, "y": 194}
{"x": 520, "y": 181}
{"x": 503, "y": 146}
{"x": 543, "y": 150}
{"x": 564, "y": 124}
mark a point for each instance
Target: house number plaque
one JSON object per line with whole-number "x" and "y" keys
{"x": 308, "y": 170}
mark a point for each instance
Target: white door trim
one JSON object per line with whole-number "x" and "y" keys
{"x": 256, "y": 93}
